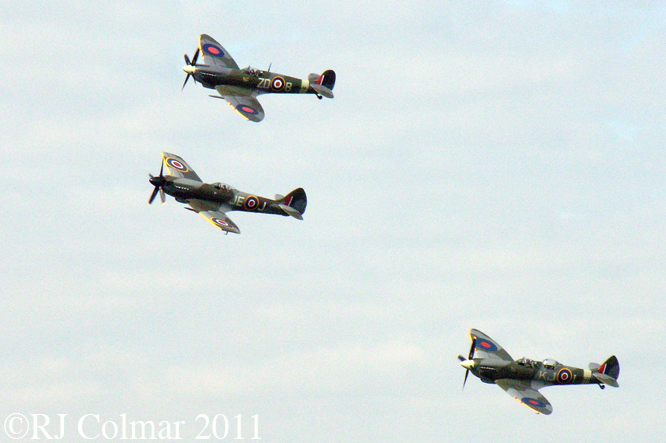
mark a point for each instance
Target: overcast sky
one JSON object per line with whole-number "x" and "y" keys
{"x": 497, "y": 166}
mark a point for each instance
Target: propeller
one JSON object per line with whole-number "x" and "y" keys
{"x": 190, "y": 63}
{"x": 469, "y": 357}
{"x": 159, "y": 183}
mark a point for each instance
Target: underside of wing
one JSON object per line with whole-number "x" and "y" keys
{"x": 214, "y": 54}
{"x": 486, "y": 347}
{"x": 247, "y": 106}
{"x": 178, "y": 167}
{"x": 524, "y": 393}
{"x": 220, "y": 220}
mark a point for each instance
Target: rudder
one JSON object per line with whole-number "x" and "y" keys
{"x": 610, "y": 367}
{"x": 294, "y": 203}
{"x": 327, "y": 79}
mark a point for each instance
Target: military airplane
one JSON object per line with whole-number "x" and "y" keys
{"x": 240, "y": 87}
{"x": 523, "y": 378}
{"x": 212, "y": 201}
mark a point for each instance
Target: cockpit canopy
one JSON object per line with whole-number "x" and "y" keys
{"x": 527, "y": 363}
{"x": 222, "y": 186}
{"x": 253, "y": 71}
{"x": 549, "y": 363}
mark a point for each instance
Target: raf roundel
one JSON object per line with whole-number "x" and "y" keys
{"x": 219, "y": 221}
{"x": 277, "y": 84}
{"x": 564, "y": 376}
{"x": 251, "y": 203}
{"x": 175, "y": 164}
{"x": 533, "y": 402}
{"x": 247, "y": 109}
{"x": 485, "y": 345}
{"x": 213, "y": 50}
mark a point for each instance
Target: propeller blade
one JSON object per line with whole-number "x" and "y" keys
{"x": 187, "y": 59}
{"x": 152, "y": 196}
{"x": 471, "y": 350}
{"x": 469, "y": 357}
{"x": 159, "y": 183}
{"x": 185, "y": 82}
{"x": 196, "y": 56}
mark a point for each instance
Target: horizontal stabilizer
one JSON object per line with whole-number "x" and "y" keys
{"x": 605, "y": 379}
{"x": 594, "y": 366}
{"x": 279, "y": 197}
{"x": 608, "y": 372}
{"x": 322, "y": 90}
{"x": 291, "y": 211}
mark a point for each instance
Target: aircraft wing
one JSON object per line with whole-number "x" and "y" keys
{"x": 247, "y": 106}
{"x": 486, "y": 347}
{"x": 178, "y": 167}
{"x": 214, "y": 54}
{"x": 220, "y": 220}
{"x": 522, "y": 391}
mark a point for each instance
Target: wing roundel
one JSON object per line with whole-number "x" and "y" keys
{"x": 220, "y": 220}
{"x": 214, "y": 54}
{"x": 522, "y": 391}
{"x": 247, "y": 106}
{"x": 486, "y": 347}
{"x": 178, "y": 167}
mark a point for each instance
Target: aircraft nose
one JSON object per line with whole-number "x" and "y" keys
{"x": 157, "y": 181}
{"x": 467, "y": 364}
{"x": 189, "y": 69}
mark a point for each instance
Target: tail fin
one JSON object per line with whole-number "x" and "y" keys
{"x": 327, "y": 79}
{"x": 611, "y": 367}
{"x": 608, "y": 372}
{"x": 294, "y": 203}
{"x": 323, "y": 84}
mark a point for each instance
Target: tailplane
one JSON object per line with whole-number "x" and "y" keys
{"x": 294, "y": 203}
{"x": 608, "y": 372}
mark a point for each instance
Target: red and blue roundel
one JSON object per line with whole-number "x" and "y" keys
{"x": 213, "y": 50}
{"x": 564, "y": 376}
{"x": 485, "y": 345}
{"x": 177, "y": 165}
{"x": 220, "y": 222}
{"x": 277, "y": 84}
{"x": 245, "y": 109}
{"x": 533, "y": 402}
{"x": 251, "y": 203}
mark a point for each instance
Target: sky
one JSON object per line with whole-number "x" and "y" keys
{"x": 497, "y": 166}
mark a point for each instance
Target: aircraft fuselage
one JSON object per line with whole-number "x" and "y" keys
{"x": 490, "y": 371}
{"x": 246, "y": 81}
{"x": 200, "y": 196}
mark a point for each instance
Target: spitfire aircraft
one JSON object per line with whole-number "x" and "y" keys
{"x": 240, "y": 87}
{"x": 212, "y": 201}
{"x": 523, "y": 378}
